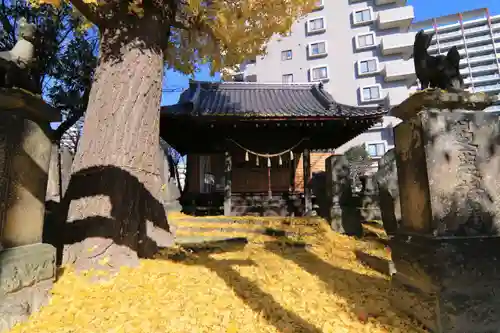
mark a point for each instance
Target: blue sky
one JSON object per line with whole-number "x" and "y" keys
{"x": 424, "y": 9}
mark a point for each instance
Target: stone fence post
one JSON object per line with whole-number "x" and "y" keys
{"x": 27, "y": 267}
{"x": 445, "y": 249}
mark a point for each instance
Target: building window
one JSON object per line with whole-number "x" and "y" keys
{"x": 316, "y": 25}
{"x": 368, "y": 66}
{"x": 363, "y": 16}
{"x": 317, "y": 49}
{"x": 287, "y": 78}
{"x": 375, "y": 149}
{"x": 286, "y": 55}
{"x": 319, "y": 73}
{"x": 365, "y": 40}
{"x": 371, "y": 93}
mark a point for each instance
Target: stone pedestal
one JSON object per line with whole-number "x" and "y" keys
{"x": 446, "y": 247}
{"x": 25, "y": 149}
{"x": 448, "y": 166}
{"x": 27, "y": 274}
{"x": 451, "y": 285}
{"x": 343, "y": 207}
{"x": 388, "y": 192}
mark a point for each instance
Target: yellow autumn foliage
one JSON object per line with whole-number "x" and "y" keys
{"x": 224, "y": 33}
{"x": 264, "y": 287}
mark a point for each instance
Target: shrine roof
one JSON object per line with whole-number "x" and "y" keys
{"x": 263, "y": 100}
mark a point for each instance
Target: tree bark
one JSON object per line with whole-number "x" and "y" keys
{"x": 113, "y": 197}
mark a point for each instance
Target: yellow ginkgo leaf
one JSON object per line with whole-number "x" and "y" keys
{"x": 164, "y": 296}
{"x": 55, "y": 3}
{"x": 232, "y": 328}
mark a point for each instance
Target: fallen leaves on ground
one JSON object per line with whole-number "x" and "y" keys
{"x": 261, "y": 287}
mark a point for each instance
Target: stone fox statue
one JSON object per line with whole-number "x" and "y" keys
{"x": 436, "y": 71}
{"x": 15, "y": 64}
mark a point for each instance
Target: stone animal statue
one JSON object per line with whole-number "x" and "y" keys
{"x": 436, "y": 71}
{"x": 15, "y": 64}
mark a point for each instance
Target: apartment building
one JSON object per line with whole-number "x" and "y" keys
{"x": 477, "y": 35}
{"x": 356, "y": 49}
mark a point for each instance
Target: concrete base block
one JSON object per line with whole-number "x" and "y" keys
{"x": 27, "y": 274}
{"x": 452, "y": 285}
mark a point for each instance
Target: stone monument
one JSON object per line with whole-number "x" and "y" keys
{"x": 27, "y": 266}
{"x": 52, "y": 193}
{"x": 446, "y": 246}
{"x": 170, "y": 191}
{"x": 343, "y": 213}
{"x": 368, "y": 198}
{"x": 388, "y": 192}
{"x": 59, "y": 167}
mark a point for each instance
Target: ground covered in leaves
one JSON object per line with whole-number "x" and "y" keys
{"x": 264, "y": 286}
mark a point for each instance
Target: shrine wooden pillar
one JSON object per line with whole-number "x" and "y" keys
{"x": 228, "y": 166}
{"x": 306, "y": 163}
{"x": 293, "y": 166}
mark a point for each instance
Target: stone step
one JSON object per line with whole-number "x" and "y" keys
{"x": 282, "y": 222}
{"x": 200, "y": 239}
{"x": 261, "y": 231}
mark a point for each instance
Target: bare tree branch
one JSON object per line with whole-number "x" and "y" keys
{"x": 66, "y": 125}
{"x": 71, "y": 120}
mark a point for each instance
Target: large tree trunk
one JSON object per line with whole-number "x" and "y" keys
{"x": 113, "y": 195}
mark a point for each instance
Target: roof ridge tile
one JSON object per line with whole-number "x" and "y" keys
{"x": 204, "y": 98}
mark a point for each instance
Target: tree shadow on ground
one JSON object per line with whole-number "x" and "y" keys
{"x": 247, "y": 290}
{"x": 350, "y": 285}
{"x": 132, "y": 214}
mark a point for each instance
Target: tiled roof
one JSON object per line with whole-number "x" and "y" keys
{"x": 244, "y": 99}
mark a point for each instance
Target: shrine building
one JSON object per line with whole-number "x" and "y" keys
{"x": 252, "y": 147}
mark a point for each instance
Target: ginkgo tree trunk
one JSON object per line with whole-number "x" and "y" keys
{"x": 114, "y": 215}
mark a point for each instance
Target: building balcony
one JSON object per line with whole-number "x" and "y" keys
{"x": 489, "y": 89}
{"x": 399, "y": 70}
{"x": 480, "y": 70}
{"x": 386, "y": 2}
{"x": 475, "y": 60}
{"x": 397, "y": 43}
{"x": 396, "y": 18}
{"x": 470, "y": 33}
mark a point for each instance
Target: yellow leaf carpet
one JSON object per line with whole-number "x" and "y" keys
{"x": 263, "y": 286}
